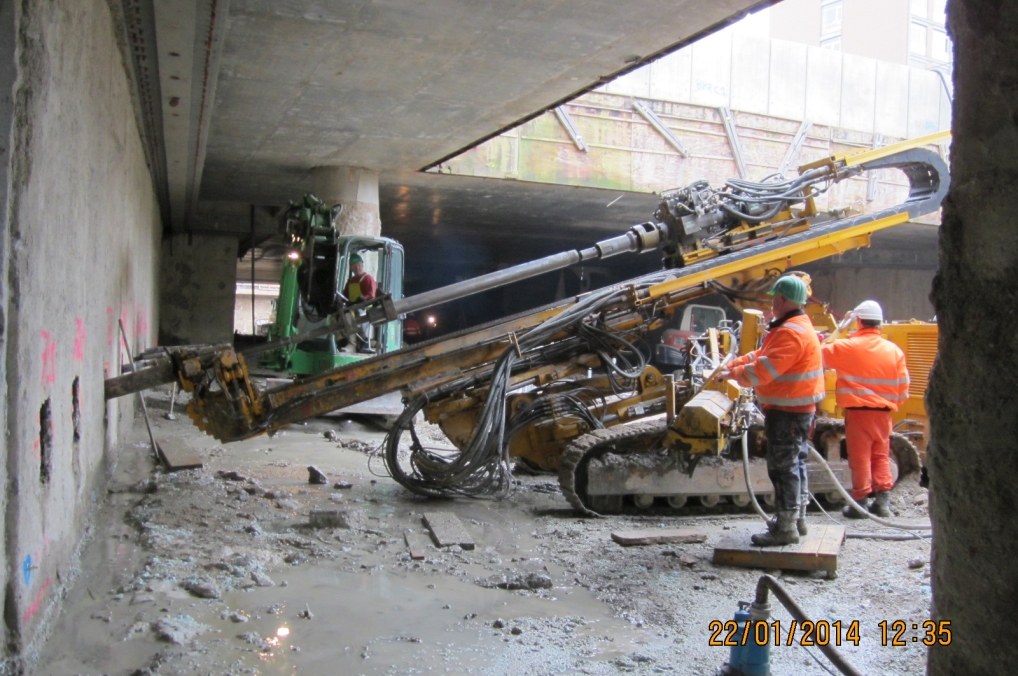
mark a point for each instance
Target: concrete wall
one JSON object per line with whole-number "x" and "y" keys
{"x": 903, "y": 293}
{"x": 198, "y": 284}
{"x": 81, "y": 245}
{"x": 973, "y": 413}
{"x": 794, "y": 81}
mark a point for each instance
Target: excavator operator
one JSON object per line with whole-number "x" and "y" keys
{"x": 788, "y": 378}
{"x": 361, "y": 286}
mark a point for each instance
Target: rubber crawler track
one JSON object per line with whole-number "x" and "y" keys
{"x": 584, "y": 448}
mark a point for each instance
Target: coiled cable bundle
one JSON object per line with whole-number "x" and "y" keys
{"x": 482, "y": 468}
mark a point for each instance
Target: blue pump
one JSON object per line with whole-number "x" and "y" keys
{"x": 750, "y": 659}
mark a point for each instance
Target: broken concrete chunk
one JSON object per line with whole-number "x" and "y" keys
{"x": 231, "y": 475}
{"x": 530, "y": 581}
{"x": 256, "y": 640}
{"x": 306, "y": 614}
{"x": 289, "y": 505}
{"x": 329, "y": 518}
{"x": 179, "y": 629}
{"x": 331, "y": 435}
{"x": 261, "y": 579}
{"x": 238, "y": 617}
{"x": 317, "y": 476}
{"x": 342, "y": 485}
{"x": 205, "y": 589}
{"x": 916, "y": 563}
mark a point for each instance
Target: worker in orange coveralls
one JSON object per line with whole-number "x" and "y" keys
{"x": 788, "y": 378}
{"x": 872, "y": 382}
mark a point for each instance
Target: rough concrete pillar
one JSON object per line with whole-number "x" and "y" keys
{"x": 973, "y": 461}
{"x": 357, "y": 190}
{"x": 198, "y": 288}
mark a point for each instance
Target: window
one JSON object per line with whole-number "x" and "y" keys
{"x": 833, "y": 44}
{"x": 941, "y": 46}
{"x": 830, "y": 19}
{"x": 917, "y": 38}
{"x": 919, "y": 8}
{"x": 939, "y": 14}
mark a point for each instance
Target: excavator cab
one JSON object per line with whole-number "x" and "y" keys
{"x": 314, "y": 290}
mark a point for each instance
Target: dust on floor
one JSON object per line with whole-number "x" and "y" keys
{"x": 219, "y": 571}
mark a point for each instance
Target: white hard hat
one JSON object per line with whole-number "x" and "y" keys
{"x": 869, "y": 309}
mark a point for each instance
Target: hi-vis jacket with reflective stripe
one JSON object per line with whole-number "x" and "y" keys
{"x": 871, "y": 371}
{"x": 787, "y": 371}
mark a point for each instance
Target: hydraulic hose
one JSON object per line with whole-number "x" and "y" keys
{"x": 837, "y": 484}
{"x": 767, "y": 583}
{"x": 841, "y": 489}
{"x": 745, "y": 470}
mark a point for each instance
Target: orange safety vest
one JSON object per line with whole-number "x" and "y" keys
{"x": 871, "y": 370}
{"x": 787, "y": 371}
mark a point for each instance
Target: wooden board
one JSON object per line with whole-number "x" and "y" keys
{"x": 415, "y": 543}
{"x": 657, "y": 536}
{"x": 446, "y": 529}
{"x": 817, "y": 551}
{"x": 176, "y": 454}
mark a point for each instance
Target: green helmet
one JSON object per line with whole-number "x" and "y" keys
{"x": 792, "y": 288}
{"x": 356, "y": 259}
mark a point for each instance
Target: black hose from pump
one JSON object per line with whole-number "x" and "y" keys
{"x": 768, "y": 584}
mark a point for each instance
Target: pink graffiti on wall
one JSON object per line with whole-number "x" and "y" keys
{"x": 141, "y": 325}
{"x": 109, "y": 326}
{"x": 37, "y": 601}
{"x": 49, "y": 359}
{"x": 79, "y": 340}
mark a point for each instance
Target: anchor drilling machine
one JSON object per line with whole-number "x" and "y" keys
{"x": 564, "y": 387}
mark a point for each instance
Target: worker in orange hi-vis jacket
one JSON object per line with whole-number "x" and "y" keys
{"x": 787, "y": 376}
{"x": 872, "y": 382}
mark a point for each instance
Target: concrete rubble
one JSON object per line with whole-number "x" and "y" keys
{"x": 180, "y": 562}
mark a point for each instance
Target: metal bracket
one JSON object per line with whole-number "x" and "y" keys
{"x": 793, "y": 149}
{"x": 659, "y": 125}
{"x": 515, "y": 343}
{"x": 728, "y": 120}
{"x": 567, "y": 124}
{"x": 871, "y": 176}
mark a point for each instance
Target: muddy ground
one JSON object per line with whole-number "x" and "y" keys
{"x": 218, "y": 571}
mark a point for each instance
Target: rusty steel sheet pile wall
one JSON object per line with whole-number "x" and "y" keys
{"x": 82, "y": 229}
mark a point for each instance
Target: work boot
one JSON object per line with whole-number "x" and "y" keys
{"x": 881, "y": 505}
{"x": 800, "y": 523}
{"x": 851, "y": 512}
{"x": 784, "y": 532}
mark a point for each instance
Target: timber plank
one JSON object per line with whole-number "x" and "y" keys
{"x": 446, "y": 529}
{"x": 833, "y": 537}
{"x": 176, "y": 454}
{"x": 817, "y": 551}
{"x": 657, "y": 536}
{"x": 415, "y": 544}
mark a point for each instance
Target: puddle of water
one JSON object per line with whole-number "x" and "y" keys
{"x": 385, "y": 622}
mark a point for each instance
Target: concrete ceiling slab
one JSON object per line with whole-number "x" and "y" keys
{"x": 278, "y": 87}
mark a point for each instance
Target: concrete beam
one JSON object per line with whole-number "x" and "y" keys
{"x": 190, "y": 36}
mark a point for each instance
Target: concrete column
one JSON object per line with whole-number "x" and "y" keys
{"x": 973, "y": 463}
{"x": 357, "y": 190}
{"x": 198, "y": 288}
